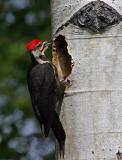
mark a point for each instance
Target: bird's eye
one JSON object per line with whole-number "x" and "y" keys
{"x": 38, "y": 46}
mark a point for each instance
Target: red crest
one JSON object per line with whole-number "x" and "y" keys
{"x": 32, "y": 44}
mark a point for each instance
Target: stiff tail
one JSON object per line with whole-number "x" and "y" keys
{"x": 59, "y": 133}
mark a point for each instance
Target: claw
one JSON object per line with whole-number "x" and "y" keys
{"x": 66, "y": 82}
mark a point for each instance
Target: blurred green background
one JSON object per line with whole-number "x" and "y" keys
{"x": 20, "y": 135}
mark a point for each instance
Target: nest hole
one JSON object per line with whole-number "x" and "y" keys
{"x": 61, "y": 58}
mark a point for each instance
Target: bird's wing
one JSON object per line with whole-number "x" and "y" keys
{"x": 42, "y": 85}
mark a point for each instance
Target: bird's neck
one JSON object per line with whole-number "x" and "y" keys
{"x": 33, "y": 60}
{"x": 39, "y": 60}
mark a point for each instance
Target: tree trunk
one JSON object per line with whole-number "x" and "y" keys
{"x": 91, "y": 111}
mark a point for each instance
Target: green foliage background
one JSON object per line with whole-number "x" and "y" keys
{"x": 20, "y": 21}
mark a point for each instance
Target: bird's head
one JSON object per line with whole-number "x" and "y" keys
{"x": 37, "y": 48}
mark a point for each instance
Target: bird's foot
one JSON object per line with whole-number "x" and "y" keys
{"x": 66, "y": 82}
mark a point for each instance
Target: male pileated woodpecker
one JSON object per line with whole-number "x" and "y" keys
{"x": 46, "y": 91}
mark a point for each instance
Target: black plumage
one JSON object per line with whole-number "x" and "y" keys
{"x": 46, "y": 93}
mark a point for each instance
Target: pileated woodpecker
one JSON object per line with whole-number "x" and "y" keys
{"x": 46, "y": 91}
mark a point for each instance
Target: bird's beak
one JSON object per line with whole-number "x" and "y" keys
{"x": 48, "y": 44}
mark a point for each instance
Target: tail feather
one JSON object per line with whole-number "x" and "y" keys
{"x": 59, "y": 133}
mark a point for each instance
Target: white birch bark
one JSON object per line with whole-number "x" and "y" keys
{"x": 92, "y": 117}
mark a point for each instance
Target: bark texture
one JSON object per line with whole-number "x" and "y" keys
{"x": 91, "y": 114}
{"x": 95, "y": 16}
